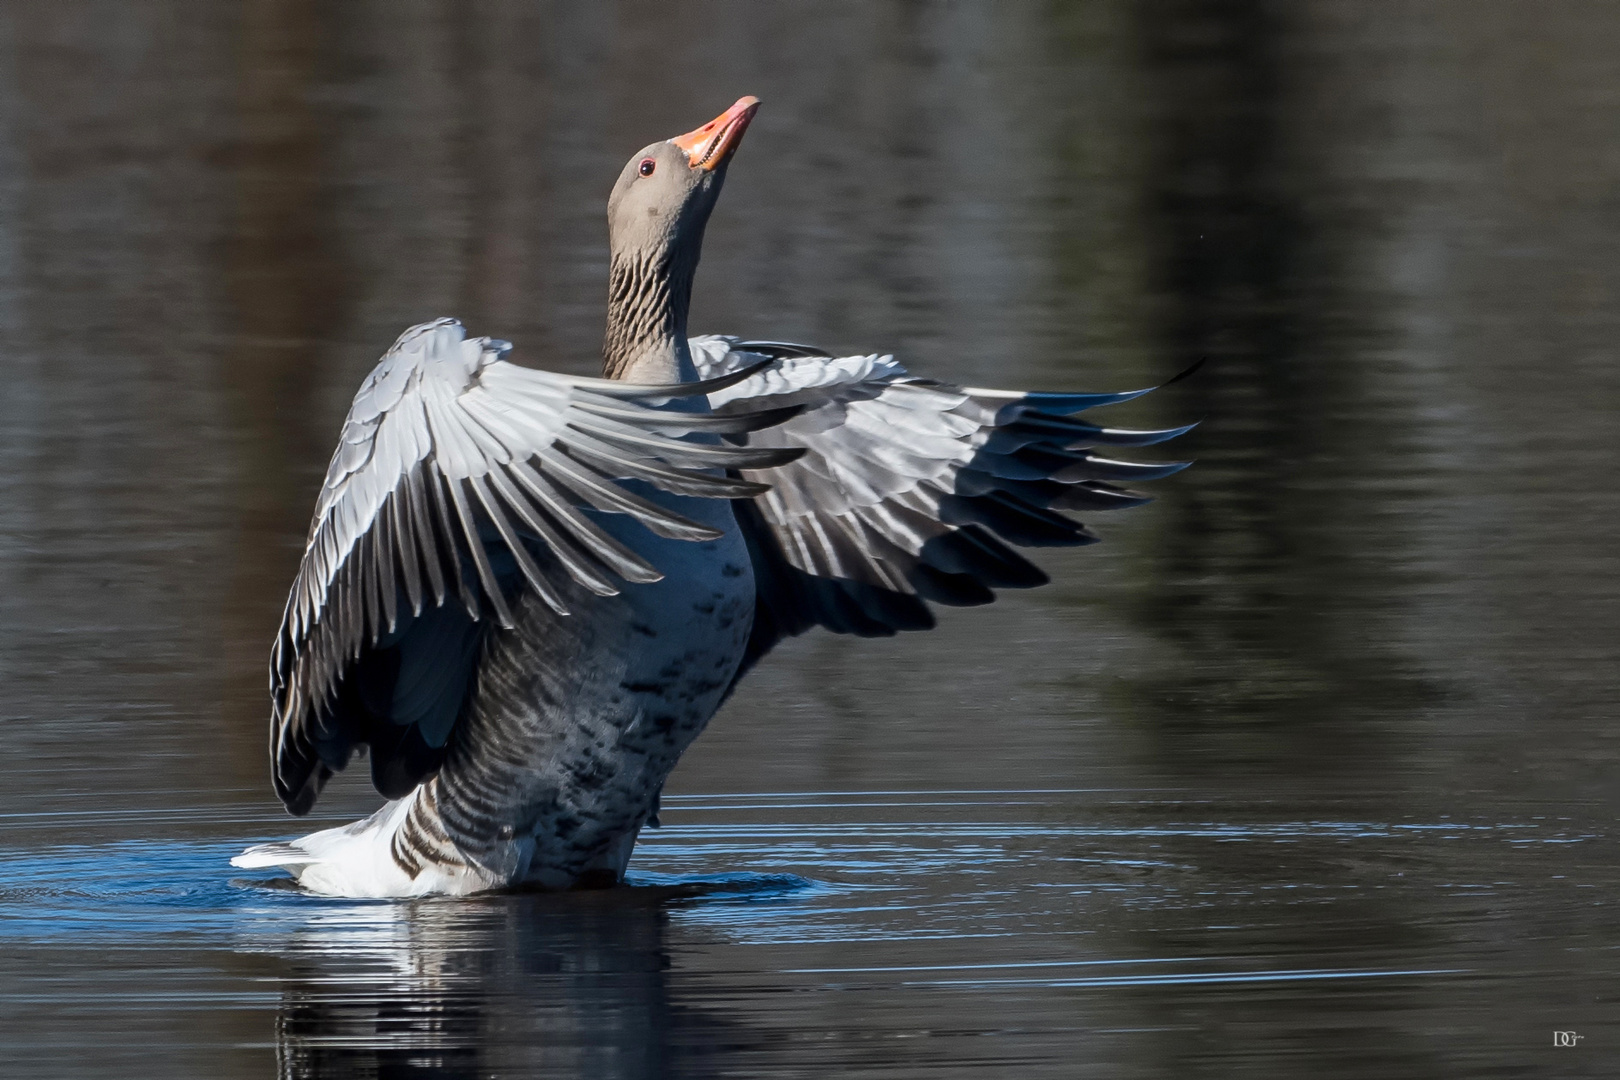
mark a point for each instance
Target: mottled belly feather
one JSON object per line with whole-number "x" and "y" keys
{"x": 576, "y": 720}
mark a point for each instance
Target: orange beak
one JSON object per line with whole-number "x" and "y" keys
{"x": 712, "y": 144}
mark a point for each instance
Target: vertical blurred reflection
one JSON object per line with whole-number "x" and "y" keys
{"x": 287, "y": 291}
{"x": 1277, "y": 561}
{"x": 573, "y": 985}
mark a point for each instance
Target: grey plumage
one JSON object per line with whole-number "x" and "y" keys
{"x": 910, "y": 490}
{"x": 506, "y": 453}
{"x": 525, "y": 594}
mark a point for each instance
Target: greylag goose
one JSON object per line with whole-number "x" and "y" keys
{"x": 525, "y": 594}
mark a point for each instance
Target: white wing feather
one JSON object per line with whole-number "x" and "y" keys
{"x": 908, "y": 486}
{"x": 449, "y": 451}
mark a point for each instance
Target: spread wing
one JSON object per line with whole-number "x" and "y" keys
{"x": 459, "y": 480}
{"x": 911, "y": 490}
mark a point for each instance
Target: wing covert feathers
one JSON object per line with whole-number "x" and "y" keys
{"x": 455, "y": 467}
{"x": 910, "y": 490}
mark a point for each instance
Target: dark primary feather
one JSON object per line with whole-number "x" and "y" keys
{"x": 910, "y": 491}
{"x": 459, "y": 479}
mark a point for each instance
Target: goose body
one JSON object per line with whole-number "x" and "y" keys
{"x": 525, "y": 594}
{"x": 571, "y": 727}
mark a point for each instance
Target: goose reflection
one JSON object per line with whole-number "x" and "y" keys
{"x": 571, "y": 984}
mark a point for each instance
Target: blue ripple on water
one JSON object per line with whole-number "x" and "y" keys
{"x": 122, "y": 891}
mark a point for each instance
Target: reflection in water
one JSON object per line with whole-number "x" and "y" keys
{"x": 1274, "y": 577}
{"x": 285, "y": 284}
{"x": 577, "y": 984}
{"x": 1390, "y": 576}
{"x": 950, "y": 931}
{"x": 573, "y": 983}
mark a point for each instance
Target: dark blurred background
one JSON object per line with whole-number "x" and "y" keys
{"x": 1388, "y": 588}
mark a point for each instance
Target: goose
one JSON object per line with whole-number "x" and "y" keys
{"x": 525, "y": 594}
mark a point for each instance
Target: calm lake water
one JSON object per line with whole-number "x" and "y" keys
{"x": 1308, "y": 770}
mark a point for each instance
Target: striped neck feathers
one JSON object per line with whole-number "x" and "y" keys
{"x": 648, "y": 297}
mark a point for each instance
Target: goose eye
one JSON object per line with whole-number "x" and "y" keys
{"x": 647, "y": 166}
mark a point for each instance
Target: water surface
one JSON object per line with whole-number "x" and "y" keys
{"x": 1308, "y": 769}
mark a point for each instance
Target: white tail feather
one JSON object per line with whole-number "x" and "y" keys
{"x": 357, "y": 860}
{"x": 288, "y": 856}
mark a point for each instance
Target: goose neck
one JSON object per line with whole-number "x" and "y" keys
{"x": 648, "y": 297}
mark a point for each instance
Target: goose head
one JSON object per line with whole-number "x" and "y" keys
{"x": 656, "y": 216}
